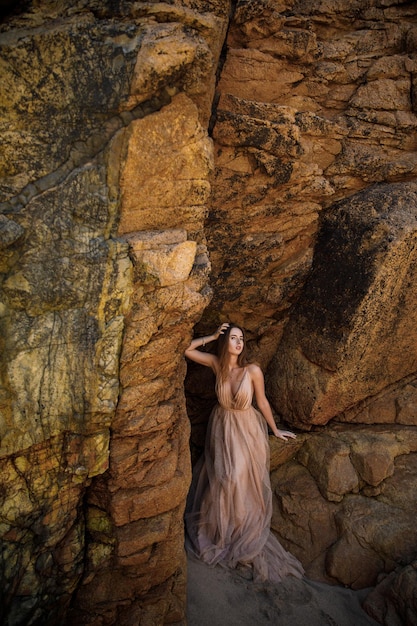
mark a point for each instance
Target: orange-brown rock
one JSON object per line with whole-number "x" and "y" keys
{"x": 121, "y": 219}
{"x": 345, "y": 504}
{"x": 331, "y": 82}
{"x": 104, "y": 186}
{"x": 145, "y": 490}
{"x": 351, "y": 335}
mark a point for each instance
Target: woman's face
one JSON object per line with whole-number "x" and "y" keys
{"x": 236, "y": 341}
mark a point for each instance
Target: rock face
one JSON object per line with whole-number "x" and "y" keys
{"x": 104, "y": 186}
{"x": 394, "y": 599}
{"x": 349, "y": 349}
{"x": 64, "y": 293}
{"x": 123, "y": 225}
{"x": 345, "y": 501}
{"x": 136, "y": 562}
{"x": 312, "y": 241}
{"x": 314, "y": 104}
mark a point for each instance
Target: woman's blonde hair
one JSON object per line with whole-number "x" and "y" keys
{"x": 223, "y": 352}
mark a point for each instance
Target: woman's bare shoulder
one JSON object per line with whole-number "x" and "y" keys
{"x": 254, "y": 369}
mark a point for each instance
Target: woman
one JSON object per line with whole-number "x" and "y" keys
{"x": 230, "y": 503}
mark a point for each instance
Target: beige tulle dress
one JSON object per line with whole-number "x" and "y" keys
{"x": 230, "y": 502}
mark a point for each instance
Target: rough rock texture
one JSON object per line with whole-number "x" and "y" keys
{"x": 64, "y": 291}
{"x": 346, "y": 501}
{"x": 351, "y": 337}
{"x": 113, "y": 199}
{"x": 104, "y": 185}
{"x": 315, "y": 102}
{"x": 394, "y": 601}
{"x": 136, "y": 561}
{"x": 316, "y": 115}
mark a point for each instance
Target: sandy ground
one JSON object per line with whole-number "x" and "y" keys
{"x": 220, "y": 597}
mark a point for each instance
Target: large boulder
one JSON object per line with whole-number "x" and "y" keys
{"x": 352, "y": 335}
{"x": 345, "y": 503}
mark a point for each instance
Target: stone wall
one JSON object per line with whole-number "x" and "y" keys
{"x": 104, "y": 182}
{"x": 65, "y": 288}
{"x": 124, "y": 225}
{"x": 317, "y": 159}
{"x": 136, "y": 566}
{"x": 312, "y": 241}
{"x": 315, "y": 103}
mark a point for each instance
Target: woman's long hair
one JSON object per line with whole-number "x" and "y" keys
{"x": 223, "y": 351}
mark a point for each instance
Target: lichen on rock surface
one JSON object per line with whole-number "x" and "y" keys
{"x": 167, "y": 165}
{"x": 78, "y": 127}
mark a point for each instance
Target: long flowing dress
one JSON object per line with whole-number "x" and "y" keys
{"x": 230, "y": 502}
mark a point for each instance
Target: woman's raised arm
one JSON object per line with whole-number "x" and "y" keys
{"x": 205, "y": 358}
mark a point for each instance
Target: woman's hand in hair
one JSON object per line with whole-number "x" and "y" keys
{"x": 221, "y": 329}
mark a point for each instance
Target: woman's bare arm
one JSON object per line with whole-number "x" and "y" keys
{"x": 263, "y": 404}
{"x": 204, "y": 358}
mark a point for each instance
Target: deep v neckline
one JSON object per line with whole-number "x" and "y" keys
{"x": 239, "y": 385}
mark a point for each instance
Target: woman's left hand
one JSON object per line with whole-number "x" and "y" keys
{"x": 285, "y": 434}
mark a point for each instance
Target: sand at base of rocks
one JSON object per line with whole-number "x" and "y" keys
{"x": 221, "y": 597}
